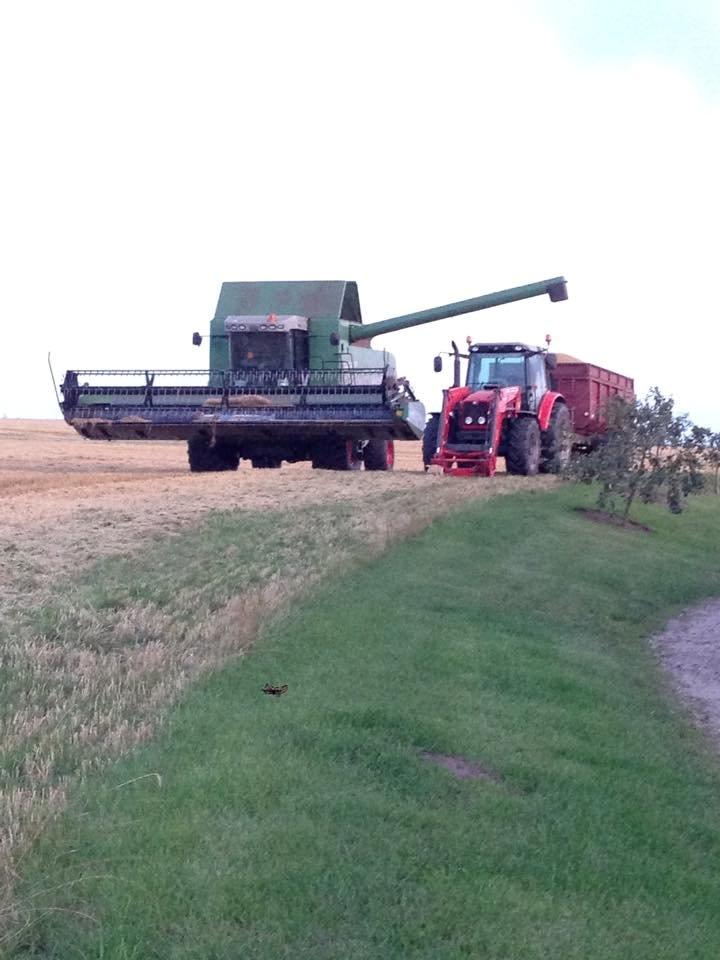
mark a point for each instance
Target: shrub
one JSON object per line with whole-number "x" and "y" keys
{"x": 648, "y": 452}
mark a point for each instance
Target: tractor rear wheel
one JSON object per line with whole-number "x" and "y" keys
{"x": 522, "y": 451}
{"x": 337, "y": 454}
{"x": 557, "y": 441}
{"x": 204, "y": 457}
{"x": 430, "y": 439}
{"x": 379, "y": 455}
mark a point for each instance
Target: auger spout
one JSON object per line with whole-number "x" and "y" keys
{"x": 556, "y": 289}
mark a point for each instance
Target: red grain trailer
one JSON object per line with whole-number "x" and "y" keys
{"x": 587, "y": 389}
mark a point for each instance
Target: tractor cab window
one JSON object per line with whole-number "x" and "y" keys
{"x": 496, "y": 369}
{"x": 537, "y": 374}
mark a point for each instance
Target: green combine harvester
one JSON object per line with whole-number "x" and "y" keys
{"x": 291, "y": 377}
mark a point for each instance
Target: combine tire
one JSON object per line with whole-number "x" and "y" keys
{"x": 522, "y": 453}
{"x": 379, "y": 455}
{"x": 430, "y": 439}
{"x": 204, "y": 458}
{"x": 557, "y": 441}
{"x": 337, "y": 454}
{"x": 266, "y": 463}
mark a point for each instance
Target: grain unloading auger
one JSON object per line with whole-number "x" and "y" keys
{"x": 292, "y": 377}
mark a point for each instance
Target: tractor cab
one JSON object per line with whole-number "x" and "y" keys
{"x": 498, "y": 365}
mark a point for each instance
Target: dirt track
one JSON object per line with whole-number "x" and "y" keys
{"x": 689, "y": 650}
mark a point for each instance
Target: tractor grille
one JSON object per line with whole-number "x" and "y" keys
{"x": 475, "y": 433}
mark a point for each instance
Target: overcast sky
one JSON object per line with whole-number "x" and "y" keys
{"x": 429, "y": 151}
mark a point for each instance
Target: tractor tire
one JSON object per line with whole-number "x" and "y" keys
{"x": 557, "y": 441}
{"x": 379, "y": 455}
{"x": 266, "y": 463}
{"x": 336, "y": 454}
{"x": 522, "y": 451}
{"x": 430, "y": 439}
{"x": 205, "y": 458}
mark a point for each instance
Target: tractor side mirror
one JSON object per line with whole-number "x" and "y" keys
{"x": 197, "y": 339}
{"x": 551, "y": 361}
{"x": 437, "y": 364}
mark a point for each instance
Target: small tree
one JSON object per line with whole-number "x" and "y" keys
{"x": 647, "y": 450}
{"x": 711, "y": 455}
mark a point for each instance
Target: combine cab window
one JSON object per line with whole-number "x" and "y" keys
{"x": 498, "y": 369}
{"x": 258, "y": 350}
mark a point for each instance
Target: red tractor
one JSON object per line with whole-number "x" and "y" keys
{"x": 507, "y": 408}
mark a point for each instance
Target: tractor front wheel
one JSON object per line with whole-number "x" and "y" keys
{"x": 522, "y": 453}
{"x": 379, "y": 455}
{"x": 430, "y": 439}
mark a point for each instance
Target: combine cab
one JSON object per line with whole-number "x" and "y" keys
{"x": 291, "y": 377}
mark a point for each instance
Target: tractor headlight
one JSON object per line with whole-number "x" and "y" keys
{"x": 468, "y": 421}
{"x": 481, "y": 420}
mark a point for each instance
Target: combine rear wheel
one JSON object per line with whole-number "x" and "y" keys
{"x": 379, "y": 455}
{"x": 206, "y": 458}
{"x": 557, "y": 441}
{"x": 430, "y": 439}
{"x": 337, "y": 454}
{"x": 522, "y": 454}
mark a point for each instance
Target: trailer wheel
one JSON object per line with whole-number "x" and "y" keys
{"x": 379, "y": 455}
{"x": 557, "y": 441}
{"x": 430, "y": 439}
{"x": 522, "y": 452}
{"x": 266, "y": 463}
{"x": 337, "y": 454}
{"x": 204, "y": 458}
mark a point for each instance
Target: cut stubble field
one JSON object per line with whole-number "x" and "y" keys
{"x": 125, "y": 577}
{"x": 66, "y": 502}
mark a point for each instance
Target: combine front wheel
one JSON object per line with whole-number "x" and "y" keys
{"x": 379, "y": 455}
{"x": 522, "y": 456}
{"x": 337, "y": 454}
{"x": 205, "y": 458}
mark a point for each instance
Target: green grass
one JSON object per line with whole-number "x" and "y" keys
{"x": 308, "y": 827}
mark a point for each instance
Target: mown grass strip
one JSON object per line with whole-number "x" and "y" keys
{"x": 91, "y": 660}
{"x": 309, "y": 826}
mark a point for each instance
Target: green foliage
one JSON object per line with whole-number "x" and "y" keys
{"x": 308, "y": 826}
{"x": 648, "y": 452}
{"x": 711, "y": 454}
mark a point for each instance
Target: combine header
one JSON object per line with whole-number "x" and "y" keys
{"x": 291, "y": 377}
